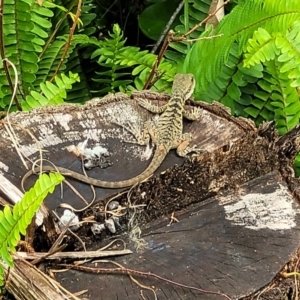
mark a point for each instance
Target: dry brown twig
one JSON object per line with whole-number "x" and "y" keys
{"x": 123, "y": 270}
{"x": 72, "y": 30}
{"x": 171, "y": 38}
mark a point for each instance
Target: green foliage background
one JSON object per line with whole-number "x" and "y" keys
{"x": 249, "y": 62}
{"x": 251, "y": 67}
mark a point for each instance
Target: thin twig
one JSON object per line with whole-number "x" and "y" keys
{"x": 296, "y": 279}
{"x": 9, "y": 128}
{"x": 72, "y": 255}
{"x": 58, "y": 25}
{"x": 171, "y": 38}
{"x": 167, "y": 27}
{"x": 13, "y": 87}
{"x": 135, "y": 272}
{"x": 183, "y": 37}
{"x": 68, "y": 43}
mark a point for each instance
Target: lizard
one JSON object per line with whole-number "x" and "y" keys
{"x": 168, "y": 135}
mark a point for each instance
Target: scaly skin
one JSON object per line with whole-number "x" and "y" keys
{"x": 168, "y": 135}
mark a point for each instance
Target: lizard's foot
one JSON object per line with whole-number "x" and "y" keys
{"x": 188, "y": 150}
{"x": 194, "y": 150}
{"x": 193, "y": 114}
{"x": 183, "y": 148}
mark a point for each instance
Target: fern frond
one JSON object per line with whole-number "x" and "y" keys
{"x": 234, "y": 86}
{"x": 22, "y": 47}
{"x": 118, "y": 60}
{"x": 87, "y": 17}
{"x": 39, "y": 16}
{"x": 53, "y": 94}
{"x": 13, "y": 223}
{"x": 260, "y": 48}
{"x": 285, "y": 98}
{"x": 290, "y": 53}
{"x": 275, "y": 99}
{"x": 239, "y": 26}
{"x": 1, "y": 277}
{"x": 197, "y": 11}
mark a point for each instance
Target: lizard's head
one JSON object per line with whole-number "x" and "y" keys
{"x": 183, "y": 85}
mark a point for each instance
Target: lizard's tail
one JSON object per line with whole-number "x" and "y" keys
{"x": 152, "y": 167}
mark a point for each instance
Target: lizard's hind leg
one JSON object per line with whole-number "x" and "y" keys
{"x": 183, "y": 148}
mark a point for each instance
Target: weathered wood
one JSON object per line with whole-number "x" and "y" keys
{"x": 58, "y": 128}
{"x": 223, "y": 242}
{"x": 235, "y": 244}
{"x": 8, "y": 189}
{"x": 74, "y": 254}
{"x": 26, "y": 282}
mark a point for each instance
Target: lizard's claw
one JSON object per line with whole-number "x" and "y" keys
{"x": 144, "y": 103}
{"x": 193, "y": 114}
{"x": 196, "y": 150}
{"x": 196, "y": 112}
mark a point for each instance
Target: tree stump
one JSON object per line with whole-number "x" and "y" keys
{"x": 236, "y": 204}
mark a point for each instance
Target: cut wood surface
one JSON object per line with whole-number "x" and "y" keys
{"x": 232, "y": 244}
{"x": 237, "y": 211}
{"x": 60, "y": 129}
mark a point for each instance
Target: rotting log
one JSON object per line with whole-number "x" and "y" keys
{"x": 226, "y": 240}
{"x": 26, "y": 282}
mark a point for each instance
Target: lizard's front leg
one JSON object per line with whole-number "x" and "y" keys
{"x": 151, "y": 107}
{"x": 194, "y": 114}
{"x": 182, "y": 146}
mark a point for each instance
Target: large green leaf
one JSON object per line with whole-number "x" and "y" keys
{"x": 161, "y": 12}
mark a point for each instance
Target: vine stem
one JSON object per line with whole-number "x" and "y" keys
{"x": 167, "y": 27}
{"x": 4, "y": 58}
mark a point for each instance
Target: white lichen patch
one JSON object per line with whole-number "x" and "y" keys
{"x": 122, "y": 113}
{"x": 3, "y": 167}
{"x": 26, "y": 121}
{"x": 97, "y": 150}
{"x": 92, "y": 134}
{"x": 63, "y": 119}
{"x": 88, "y": 123}
{"x": 29, "y": 149}
{"x": 219, "y": 125}
{"x": 45, "y": 130}
{"x": 72, "y": 135}
{"x": 273, "y": 211}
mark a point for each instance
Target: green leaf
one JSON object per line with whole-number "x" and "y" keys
{"x": 234, "y": 92}
{"x": 253, "y": 112}
{"x": 161, "y": 12}
{"x": 14, "y": 222}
